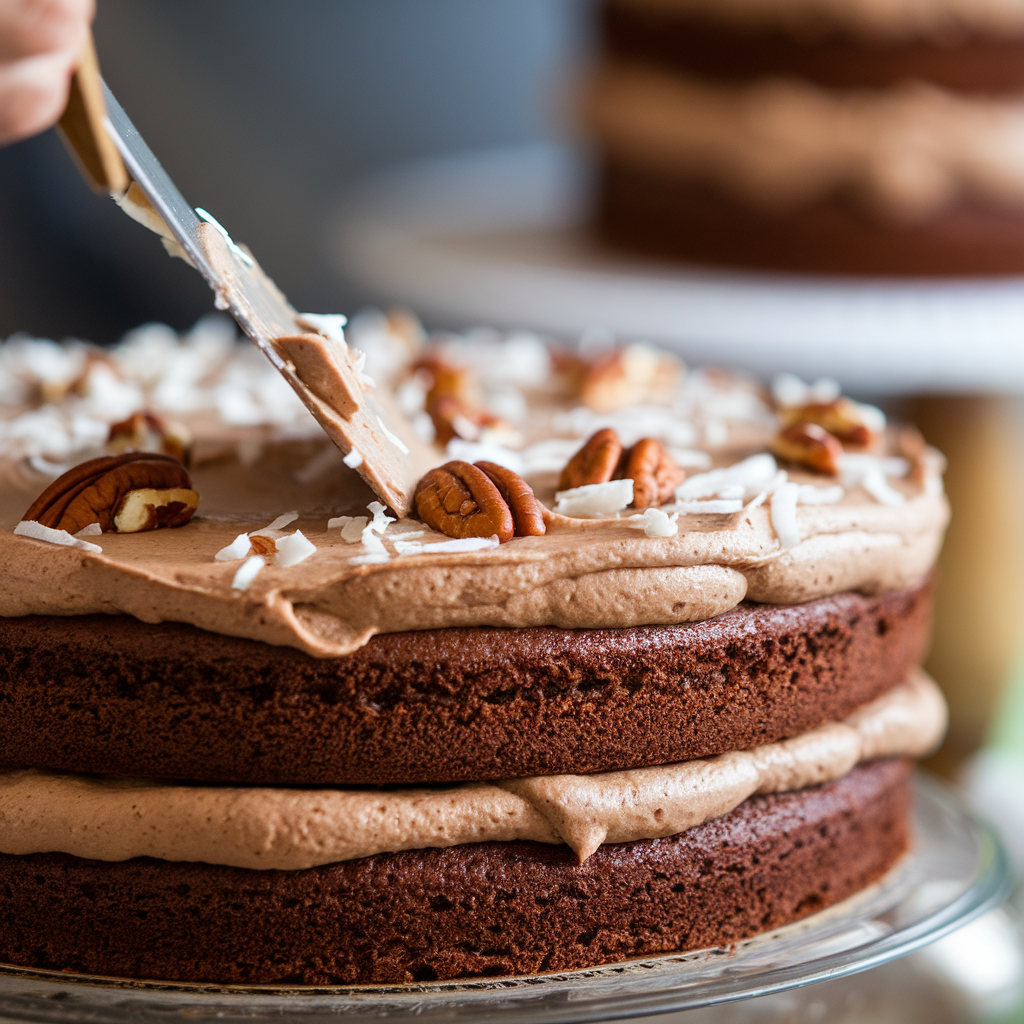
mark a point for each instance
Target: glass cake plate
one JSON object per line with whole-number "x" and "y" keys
{"x": 956, "y": 872}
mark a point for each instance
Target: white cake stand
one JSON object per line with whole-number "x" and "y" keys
{"x": 496, "y": 238}
{"x": 956, "y": 872}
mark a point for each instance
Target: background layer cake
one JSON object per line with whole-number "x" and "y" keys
{"x": 815, "y": 135}
{"x": 639, "y": 675}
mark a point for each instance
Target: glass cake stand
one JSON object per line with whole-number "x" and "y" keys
{"x": 956, "y": 872}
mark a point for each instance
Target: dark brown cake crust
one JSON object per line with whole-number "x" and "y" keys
{"x": 709, "y": 49}
{"x": 487, "y": 909}
{"x": 670, "y": 215}
{"x": 113, "y": 696}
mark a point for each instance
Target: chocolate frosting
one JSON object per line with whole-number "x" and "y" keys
{"x": 293, "y": 829}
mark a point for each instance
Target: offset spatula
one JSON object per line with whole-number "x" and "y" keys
{"x": 361, "y": 419}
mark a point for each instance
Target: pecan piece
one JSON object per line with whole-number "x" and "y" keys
{"x": 147, "y": 432}
{"x": 809, "y": 445}
{"x": 634, "y": 375}
{"x": 261, "y": 544}
{"x": 127, "y": 493}
{"x": 459, "y": 500}
{"x": 842, "y": 418}
{"x": 527, "y": 514}
{"x": 653, "y": 471}
{"x": 594, "y": 463}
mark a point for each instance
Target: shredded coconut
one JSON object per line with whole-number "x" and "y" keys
{"x": 716, "y": 433}
{"x": 478, "y": 451}
{"x": 374, "y": 558}
{"x": 280, "y": 522}
{"x": 396, "y": 441}
{"x": 783, "y": 511}
{"x": 247, "y": 572}
{"x": 755, "y": 474}
{"x": 548, "y": 456}
{"x": 447, "y": 546}
{"x": 656, "y": 523}
{"x": 36, "y": 531}
{"x": 330, "y": 325}
{"x": 238, "y": 548}
{"x": 790, "y": 390}
{"x": 92, "y": 530}
{"x": 709, "y": 506}
{"x": 293, "y": 549}
{"x": 811, "y": 495}
{"x": 870, "y": 472}
{"x": 631, "y": 424}
{"x": 690, "y": 458}
{"x": 380, "y": 521}
{"x": 354, "y": 459}
{"x": 351, "y": 527}
{"x": 595, "y": 499}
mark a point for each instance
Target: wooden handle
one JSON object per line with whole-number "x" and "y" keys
{"x": 82, "y": 129}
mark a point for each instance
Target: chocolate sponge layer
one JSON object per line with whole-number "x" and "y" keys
{"x": 113, "y": 696}
{"x": 485, "y": 909}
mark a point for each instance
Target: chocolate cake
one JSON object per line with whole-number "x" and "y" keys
{"x": 813, "y": 135}
{"x": 625, "y": 682}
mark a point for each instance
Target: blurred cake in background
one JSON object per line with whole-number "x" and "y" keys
{"x": 844, "y": 136}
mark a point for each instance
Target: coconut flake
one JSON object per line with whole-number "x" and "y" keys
{"x": 92, "y": 530}
{"x": 36, "y": 531}
{"x": 594, "y": 499}
{"x": 330, "y": 325}
{"x": 293, "y": 549}
{"x": 247, "y": 572}
{"x": 755, "y": 474}
{"x": 445, "y": 547}
{"x": 354, "y": 459}
{"x": 716, "y": 433}
{"x": 351, "y": 527}
{"x": 380, "y": 521}
{"x": 238, "y": 548}
{"x": 811, "y": 495}
{"x": 280, "y": 522}
{"x": 374, "y": 558}
{"x": 790, "y": 390}
{"x": 396, "y": 441}
{"x": 709, "y": 506}
{"x": 870, "y": 472}
{"x": 656, "y": 523}
{"x": 783, "y": 513}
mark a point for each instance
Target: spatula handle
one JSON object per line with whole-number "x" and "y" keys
{"x": 83, "y": 130}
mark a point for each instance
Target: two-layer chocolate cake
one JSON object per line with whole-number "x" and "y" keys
{"x": 848, "y": 136}
{"x": 638, "y": 675}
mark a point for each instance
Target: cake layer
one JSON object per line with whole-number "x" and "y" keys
{"x": 904, "y": 155}
{"x": 939, "y": 20}
{"x": 699, "y": 42}
{"x": 482, "y": 909}
{"x": 112, "y": 696}
{"x": 671, "y": 216}
{"x": 115, "y": 819}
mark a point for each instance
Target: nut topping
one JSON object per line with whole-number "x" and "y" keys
{"x": 527, "y": 514}
{"x": 459, "y": 500}
{"x": 127, "y": 493}
{"x": 594, "y": 463}
{"x": 261, "y": 544}
{"x": 653, "y": 471}
{"x": 634, "y": 375}
{"x": 842, "y": 418}
{"x": 809, "y": 445}
{"x": 147, "y": 432}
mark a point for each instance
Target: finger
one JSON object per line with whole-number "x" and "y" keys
{"x": 33, "y": 93}
{"x": 29, "y": 27}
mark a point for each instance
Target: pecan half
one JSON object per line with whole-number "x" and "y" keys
{"x": 809, "y": 445}
{"x": 633, "y": 375}
{"x": 842, "y": 418}
{"x": 527, "y": 514}
{"x": 459, "y": 500}
{"x": 147, "y": 432}
{"x": 594, "y": 463}
{"x": 653, "y": 471}
{"x": 127, "y": 493}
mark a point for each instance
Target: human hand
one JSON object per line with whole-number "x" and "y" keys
{"x": 39, "y": 45}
